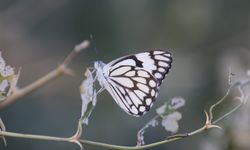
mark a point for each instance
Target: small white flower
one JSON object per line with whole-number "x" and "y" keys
{"x": 167, "y": 116}
{"x": 161, "y": 110}
{"x": 177, "y": 102}
{"x": 170, "y": 122}
{"x": 153, "y": 123}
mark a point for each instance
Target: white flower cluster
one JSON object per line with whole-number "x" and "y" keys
{"x": 167, "y": 116}
{"x": 170, "y": 116}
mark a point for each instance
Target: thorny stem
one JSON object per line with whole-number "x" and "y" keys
{"x": 59, "y": 71}
{"x": 218, "y": 102}
{"x": 242, "y": 98}
{"x": 104, "y": 145}
{"x": 75, "y": 139}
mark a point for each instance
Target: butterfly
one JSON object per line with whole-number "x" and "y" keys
{"x": 134, "y": 80}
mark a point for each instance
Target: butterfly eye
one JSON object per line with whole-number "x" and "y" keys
{"x": 133, "y": 81}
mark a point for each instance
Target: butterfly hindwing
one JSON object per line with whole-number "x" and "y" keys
{"x": 135, "y": 89}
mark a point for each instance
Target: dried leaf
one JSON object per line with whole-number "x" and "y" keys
{"x": 140, "y": 134}
{"x": 88, "y": 96}
{"x": 8, "y": 79}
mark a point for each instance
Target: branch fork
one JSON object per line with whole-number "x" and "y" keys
{"x": 76, "y": 137}
{"x": 209, "y": 124}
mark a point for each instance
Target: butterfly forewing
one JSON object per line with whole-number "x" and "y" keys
{"x": 156, "y": 62}
{"x": 134, "y": 80}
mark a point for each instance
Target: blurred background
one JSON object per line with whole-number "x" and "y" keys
{"x": 205, "y": 38}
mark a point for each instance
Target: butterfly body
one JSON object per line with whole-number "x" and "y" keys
{"x": 133, "y": 81}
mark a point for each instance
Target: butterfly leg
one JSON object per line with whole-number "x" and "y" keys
{"x": 92, "y": 69}
{"x": 100, "y": 90}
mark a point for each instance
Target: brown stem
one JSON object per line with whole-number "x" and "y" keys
{"x": 59, "y": 71}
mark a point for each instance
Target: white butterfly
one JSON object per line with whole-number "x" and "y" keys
{"x": 134, "y": 80}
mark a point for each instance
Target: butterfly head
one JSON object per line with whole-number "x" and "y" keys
{"x": 99, "y": 65}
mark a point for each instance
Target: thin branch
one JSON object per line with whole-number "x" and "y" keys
{"x": 99, "y": 144}
{"x": 219, "y": 102}
{"x": 59, "y": 71}
{"x": 33, "y": 136}
{"x": 2, "y": 128}
{"x": 78, "y": 48}
{"x": 104, "y": 145}
{"x": 76, "y": 136}
{"x": 242, "y": 99}
{"x": 207, "y": 125}
{"x": 228, "y": 113}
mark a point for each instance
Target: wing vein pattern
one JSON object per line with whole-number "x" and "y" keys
{"x": 134, "y": 80}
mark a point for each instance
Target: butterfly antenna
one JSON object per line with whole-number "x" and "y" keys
{"x": 94, "y": 44}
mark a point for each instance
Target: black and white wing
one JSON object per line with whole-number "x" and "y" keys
{"x": 134, "y": 80}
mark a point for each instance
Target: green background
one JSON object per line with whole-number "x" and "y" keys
{"x": 205, "y": 38}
